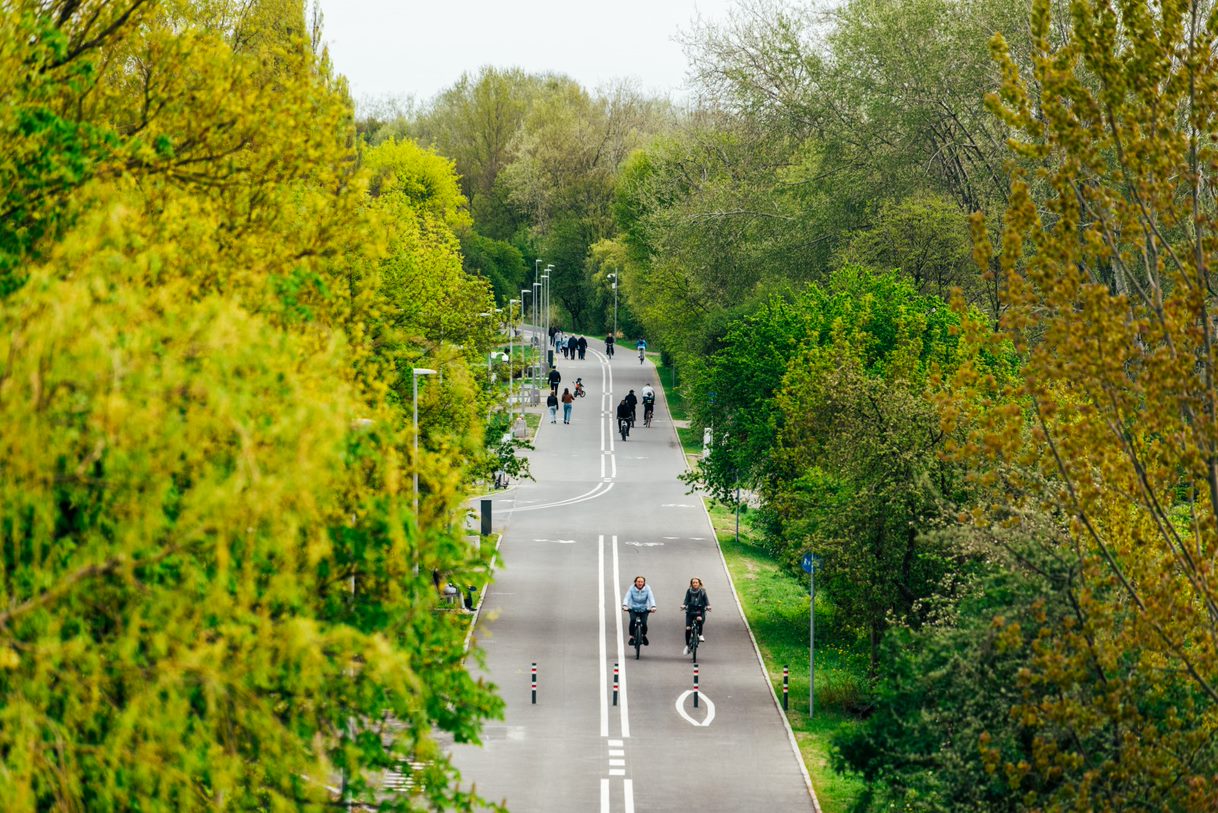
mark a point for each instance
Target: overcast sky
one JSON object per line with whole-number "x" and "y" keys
{"x": 419, "y": 47}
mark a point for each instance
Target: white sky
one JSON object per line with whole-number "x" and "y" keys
{"x": 419, "y": 47}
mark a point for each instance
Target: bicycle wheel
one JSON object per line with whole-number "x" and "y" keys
{"x": 694, "y": 629}
{"x": 638, "y": 637}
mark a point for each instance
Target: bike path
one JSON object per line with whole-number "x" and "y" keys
{"x": 600, "y": 512}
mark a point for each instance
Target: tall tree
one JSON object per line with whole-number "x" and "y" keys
{"x": 1110, "y": 300}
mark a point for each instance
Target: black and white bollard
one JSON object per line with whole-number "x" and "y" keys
{"x": 786, "y": 676}
{"x": 695, "y": 685}
{"x": 615, "y": 683}
{"x": 533, "y": 683}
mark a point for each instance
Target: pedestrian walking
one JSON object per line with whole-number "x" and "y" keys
{"x": 552, "y": 405}
{"x": 572, "y": 346}
{"x": 568, "y": 400}
{"x": 554, "y": 378}
{"x": 583, "y": 347}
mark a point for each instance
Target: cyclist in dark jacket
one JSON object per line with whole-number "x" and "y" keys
{"x": 625, "y": 412}
{"x": 696, "y": 604}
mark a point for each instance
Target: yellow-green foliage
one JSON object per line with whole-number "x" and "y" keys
{"x": 213, "y": 593}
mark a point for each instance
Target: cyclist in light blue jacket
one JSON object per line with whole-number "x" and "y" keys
{"x": 639, "y": 602}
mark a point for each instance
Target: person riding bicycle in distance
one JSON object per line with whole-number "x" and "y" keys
{"x": 649, "y": 400}
{"x": 633, "y": 401}
{"x": 625, "y": 412}
{"x": 639, "y": 602}
{"x": 696, "y": 605}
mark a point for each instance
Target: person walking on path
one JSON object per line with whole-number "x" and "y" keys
{"x": 583, "y": 347}
{"x": 552, "y": 405}
{"x": 554, "y": 378}
{"x": 572, "y": 346}
{"x": 567, "y": 400}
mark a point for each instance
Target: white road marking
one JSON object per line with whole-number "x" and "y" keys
{"x": 604, "y": 663}
{"x": 600, "y": 490}
{"x": 628, "y": 787}
{"x": 617, "y": 743}
{"x": 604, "y": 795}
{"x": 617, "y": 763}
{"x": 617, "y": 771}
{"x": 564, "y": 541}
{"x": 670, "y": 537}
{"x": 702, "y": 698}
{"x": 650, "y": 544}
{"x": 617, "y": 752}
{"x": 622, "y": 705}
{"x": 676, "y": 505}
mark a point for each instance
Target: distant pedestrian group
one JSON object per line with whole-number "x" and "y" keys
{"x": 571, "y": 347}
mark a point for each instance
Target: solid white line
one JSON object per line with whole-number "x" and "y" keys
{"x": 710, "y": 708}
{"x": 602, "y": 465}
{"x": 604, "y": 662}
{"x": 621, "y": 649}
{"x": 613, "y": 460}
{"x": 628, "y": 787}
{"x": 604, "y": 795}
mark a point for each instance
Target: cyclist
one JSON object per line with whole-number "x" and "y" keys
{"x": 579, "y": 388}
{"x": 625, "y": 415}
{"x": 649, "y": 403}
{"x": 642, "y": 346}
{"x": 696, "y": 605}
{"x": 639, "y": 602}
{"x": 609, "y": 345}
{"x": 633, "y": 400}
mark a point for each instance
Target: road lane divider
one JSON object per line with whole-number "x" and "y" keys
{"x": 623, "y": 706}
{"x": 600, "y": 593}
{"x": 599, "y": 490}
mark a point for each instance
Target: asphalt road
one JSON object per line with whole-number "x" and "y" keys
{"x": 600, "y": 512}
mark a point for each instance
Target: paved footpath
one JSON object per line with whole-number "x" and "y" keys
{"x": 601, "y": 511}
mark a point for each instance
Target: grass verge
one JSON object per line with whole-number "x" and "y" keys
{"x": 776, "y": 605}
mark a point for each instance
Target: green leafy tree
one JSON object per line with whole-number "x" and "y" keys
{"x": 1106, "y": 254}
{"x": 206, "y": 533}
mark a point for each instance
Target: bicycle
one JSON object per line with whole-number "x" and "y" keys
{"x": 636, "y": 625}
{"x": 623, "y": 426}
{"x": 640, "y": 355}
{"x": 649, "y": 410}
{"x": 695, "y": 636}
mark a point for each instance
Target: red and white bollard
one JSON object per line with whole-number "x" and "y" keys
{"x": 533, "y": 682}
{"x": 695, "y": 685}
{"x": 615, "y": 683}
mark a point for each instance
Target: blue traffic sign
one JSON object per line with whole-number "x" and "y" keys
{"x": 807, "y": 562}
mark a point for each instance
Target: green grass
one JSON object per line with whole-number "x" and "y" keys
{"x": 776, "y": 604}
{"x": 675, "y": 395}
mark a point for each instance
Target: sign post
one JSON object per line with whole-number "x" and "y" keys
{"x": 810, "y": 563}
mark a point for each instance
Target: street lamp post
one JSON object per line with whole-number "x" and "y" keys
{"x": 511, "y": 362}
{"x": 615, "y": 282}
{"x": 549, "y": 296}
{"x": 414, "y": 378}
{"x": 523, "y": 356}
{"x": 541, "y": 343}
